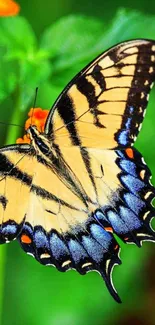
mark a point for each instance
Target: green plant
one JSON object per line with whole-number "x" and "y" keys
{"x": 25, "y": 62}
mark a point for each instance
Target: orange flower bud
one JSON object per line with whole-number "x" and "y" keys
{"x": 25, "y": 139}
{"x": 37, "y": 117}
{"x": 8, "y": 8}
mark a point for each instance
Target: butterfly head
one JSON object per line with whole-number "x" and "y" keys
{"x": 38, "y": 140}
{"x": 33, "y": 132}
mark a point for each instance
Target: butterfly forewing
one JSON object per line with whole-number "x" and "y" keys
{"x": 104, "y": 105}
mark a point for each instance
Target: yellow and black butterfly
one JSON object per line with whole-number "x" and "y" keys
{"x": 65, "y": 194}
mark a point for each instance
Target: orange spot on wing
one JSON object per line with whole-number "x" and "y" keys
{"x": 26, "y": 239}
{"x": 129, "y": 153}
{"x": 108, "y": 229}
{"x": 8, "y": 8}
{"x": 116, "y": 247}
{"x": 126, "y": 238}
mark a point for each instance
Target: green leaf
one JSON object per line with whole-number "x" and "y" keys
{"x": 74, "y": 41}
{"x": 70, "y": 38}
{"x": 126, "y": 25}
{"x": 8, "y": 78}
{"x": 32, "y": 75}
{"x": 47, "y": 94}
{"x": 17, "y": 36}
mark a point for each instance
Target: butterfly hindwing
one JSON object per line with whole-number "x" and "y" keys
{"x": 57, "y": 231}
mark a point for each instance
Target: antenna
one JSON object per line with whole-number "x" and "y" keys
{"x": 11, "y": 124}
{"x": 34, "y": 103}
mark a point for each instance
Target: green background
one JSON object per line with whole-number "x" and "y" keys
{"x": 45, "y": 46}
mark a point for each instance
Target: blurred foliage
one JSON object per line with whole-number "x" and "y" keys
{"x": 31, "y": 293}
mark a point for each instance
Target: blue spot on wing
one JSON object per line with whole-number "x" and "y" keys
{"x": 123, "y": 137}
{"x": 131, "y": 109}
{"x": 40, "y": 239}
{"x": 76, "y": 250}
{"x": 134, "y": 203}
{"x": 124, "y": 134}
{"x": 57, "y": 246}
{"x": 93, "y": 248}
{"x": 9, "y": 230}
{"x": 120, "y": 153}
{"x": 130, "y": 219}
{"x": 124, "y": 221}
{"x": 128, "y": 166}
{"x": 100, "y": 216}
{"x": 133, "y": 184}
{"x": 117, "y": 224}
{"x": 101, "y": 235}
{"x": 128, "y": 123}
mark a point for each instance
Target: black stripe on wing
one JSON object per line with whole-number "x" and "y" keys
{"x": 87, "y": 89}
{"x": 8, "y": 168}
{"x": 66, "y": 111}
{"x": 144, "y": 77}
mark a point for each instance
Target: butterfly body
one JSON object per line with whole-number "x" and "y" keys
{"x": 66, "y": 194}
{"x": 39, "y": 142}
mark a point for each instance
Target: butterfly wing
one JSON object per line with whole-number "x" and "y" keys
{"x": 104, "y": 105}
{"x": 72, "y": 225}
{"x": 50, "y": 218}
{"x": 64, "y": 232}
{"x": 16, "y": 173}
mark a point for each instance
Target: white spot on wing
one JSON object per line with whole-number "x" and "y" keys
{"x": 86, "y": 264}
{"x": 151, "y": 70}
{"x": 66, "y": 263}
{"x": 142, "y": 95}
{"x": 30, "y": 254}
{"x": 153, "y": 47}
{"x": 146, "y": 83}
{"x": 45, "y": 255}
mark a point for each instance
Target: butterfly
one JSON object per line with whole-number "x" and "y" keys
{"x": 66, "y": 194}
